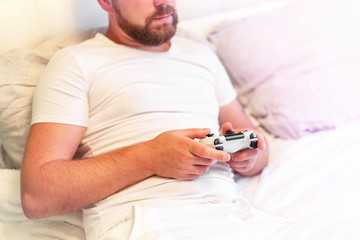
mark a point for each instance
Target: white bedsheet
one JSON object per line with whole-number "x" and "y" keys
{"x": 15, "y": 226}
{"x": 312, "y": 184}
{"x": 314, "y": 178}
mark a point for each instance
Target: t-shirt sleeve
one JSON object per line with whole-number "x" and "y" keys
{"x": 61, "y": 93}
{"x": 225, "y": 91}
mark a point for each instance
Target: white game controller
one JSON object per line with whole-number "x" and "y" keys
{"x": 231, "y": 142}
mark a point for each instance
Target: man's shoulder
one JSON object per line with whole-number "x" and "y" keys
{"x": 94, "y": 42}
{"x": 96, "y": 46}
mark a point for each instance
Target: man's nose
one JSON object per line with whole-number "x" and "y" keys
{"x": 164, "y": 2}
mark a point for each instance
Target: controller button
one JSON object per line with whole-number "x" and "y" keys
{"x": 253, "y": 135}
{"x": 236, "y": 136}
{"x": 253, "y": 144}
{"x": 218, "y": 141}
{"x": 221, "y": 148}
{"x": 229, "y": 132}
{"x": 210, "y": 135}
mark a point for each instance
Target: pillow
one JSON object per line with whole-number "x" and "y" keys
{"x": 19, "y": 71}
{"x": 296, "y": 68}
{"x": 1, "y": 158}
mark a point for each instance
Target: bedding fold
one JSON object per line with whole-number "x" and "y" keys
{"x": 14, "y": 224}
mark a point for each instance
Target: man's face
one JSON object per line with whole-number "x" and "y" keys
{"x": 150, "y": 28}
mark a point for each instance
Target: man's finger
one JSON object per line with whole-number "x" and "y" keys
{"x": 193, "y": 133}
{"x": 204, "y": 151}
{"x": 203, "y": 161}
{"x": 226, "y": 127}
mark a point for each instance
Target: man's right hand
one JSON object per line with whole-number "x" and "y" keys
{"x": 175, "y": 154}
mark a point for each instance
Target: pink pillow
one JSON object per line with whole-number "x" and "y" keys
{"x": 296, "y": 68}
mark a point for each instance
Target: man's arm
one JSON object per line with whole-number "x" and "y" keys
{"x": 53, "y": 183}
{"x": 250, "y": 161}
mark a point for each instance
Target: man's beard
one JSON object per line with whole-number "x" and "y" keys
{"x": 149, "y": 35}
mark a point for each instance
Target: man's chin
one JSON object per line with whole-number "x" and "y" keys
{"x": 165, "y": 30}
{"x": 162, "y": 26}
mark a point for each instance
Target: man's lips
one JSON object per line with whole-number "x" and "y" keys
{"x": 163, "y": 18}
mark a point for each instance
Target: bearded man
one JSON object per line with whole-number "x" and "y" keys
{"x": 129, "y": 105}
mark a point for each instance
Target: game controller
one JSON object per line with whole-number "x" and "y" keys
{"x": 231, "y": 142}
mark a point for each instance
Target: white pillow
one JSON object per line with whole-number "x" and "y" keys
{"x": 2, "y": 162}
{"x": 20, "y": 70}
{"x": 297, "y": 68}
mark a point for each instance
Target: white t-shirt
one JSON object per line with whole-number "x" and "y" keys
{"x": 124, "y": 95}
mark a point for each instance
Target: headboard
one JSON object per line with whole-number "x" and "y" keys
{"x": 27, "y": 23}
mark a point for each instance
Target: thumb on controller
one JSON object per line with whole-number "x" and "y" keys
{"x": 226, "y": 127}
{"x": 193, "y": 133}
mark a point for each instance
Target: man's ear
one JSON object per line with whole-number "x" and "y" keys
{"x": 106, "y": 5}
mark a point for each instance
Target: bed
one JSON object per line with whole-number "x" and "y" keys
{"x": 294, "y": 63}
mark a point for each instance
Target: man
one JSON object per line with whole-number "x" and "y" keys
{"x": 129, "y": 106}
